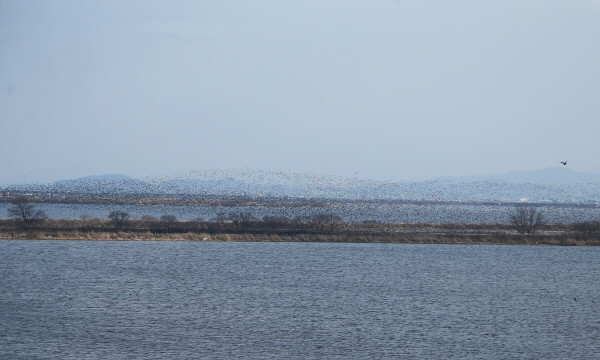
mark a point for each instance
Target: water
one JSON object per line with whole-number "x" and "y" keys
{"x": 184, "y": 300}
{"x": 391, "y": 213}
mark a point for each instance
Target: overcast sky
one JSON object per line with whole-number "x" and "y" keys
{"x": 406, "y": 89}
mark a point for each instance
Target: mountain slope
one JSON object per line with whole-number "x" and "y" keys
{"x": 547, "y": 176}
{"x": 547, "y": 185}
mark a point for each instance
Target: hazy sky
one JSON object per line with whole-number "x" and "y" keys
{"x": 378, "y": 89}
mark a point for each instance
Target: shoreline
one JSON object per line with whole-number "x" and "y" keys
{"x": 321, "y": 228}
{"x": 342, "y": 237}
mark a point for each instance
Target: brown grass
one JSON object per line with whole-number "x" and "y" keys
{"x": 407, "y": 233}
{"x": 567, "y": 239}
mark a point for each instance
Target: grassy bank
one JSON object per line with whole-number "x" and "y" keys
{"x": 258, "y": 232}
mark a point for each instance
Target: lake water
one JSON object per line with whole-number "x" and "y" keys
{"x": 391, "y": 213}
{"x": 185, "y": 300}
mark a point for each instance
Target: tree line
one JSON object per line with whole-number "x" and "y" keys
{"x": 525, "y": 220}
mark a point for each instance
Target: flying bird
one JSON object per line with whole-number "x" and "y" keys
{"x": 563, "y": 162}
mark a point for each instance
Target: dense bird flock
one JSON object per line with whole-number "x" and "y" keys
{"x": 205, "y": 194}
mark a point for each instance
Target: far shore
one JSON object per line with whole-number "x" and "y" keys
{"x": 341, "y": 237}
{"x": 321, "y": 228}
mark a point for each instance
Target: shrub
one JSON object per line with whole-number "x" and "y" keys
{"x": 119, "y": 218}
{"x": 588, "y": 227}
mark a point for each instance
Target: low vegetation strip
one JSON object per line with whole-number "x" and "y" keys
{"x": 526, "y": 225}
{"x": 137, "y": 230}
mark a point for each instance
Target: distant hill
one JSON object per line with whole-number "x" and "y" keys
{"x": 106, "y": 177}
{"x": 111, "y": 184}
{"x": 115, "y": 184}
{"x": 554, "y": 175}
{"x": 546, "y": 185}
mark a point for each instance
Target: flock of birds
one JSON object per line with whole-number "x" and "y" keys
{"x": 258, "y": 183}
{"x": 353, "y": 199}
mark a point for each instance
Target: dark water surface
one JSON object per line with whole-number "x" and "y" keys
{"x": 183, "y": 300}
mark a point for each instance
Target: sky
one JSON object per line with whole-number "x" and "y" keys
{"x": 376, "y": 89}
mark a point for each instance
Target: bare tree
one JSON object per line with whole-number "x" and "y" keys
{"x": 168, "y": 221}
{"x": 588, "y": 227}
{"x": 168, "y": 218}
{"x": 325, "y": 221}
{"x": 23, "y": 210}
{"x": 86, "y": 217}
{"x": 149, "y": 218}
{"x": 275, "y": 220}
{"x": 241, "y": 219}
{"x": 527, "y": 220}
{"x": 119, "y": 218}
{"x": 221, "y": 217}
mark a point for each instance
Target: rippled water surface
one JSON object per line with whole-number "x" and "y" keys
{"x": 183, "y": 300}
